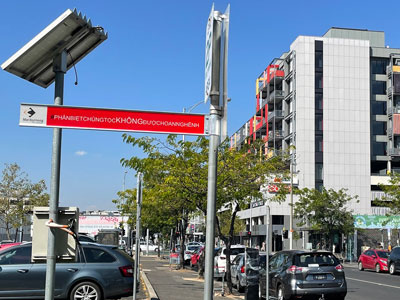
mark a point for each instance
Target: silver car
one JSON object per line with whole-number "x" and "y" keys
{"x": 99, "y": 272}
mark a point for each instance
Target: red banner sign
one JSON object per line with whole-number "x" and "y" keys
{"x": 112, "y": 119}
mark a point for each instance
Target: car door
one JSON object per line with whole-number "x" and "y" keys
{"x": 369, "y": 259}
{"x": 274, "y": 264}
{"x": 15, "y": 275}
{"x": 65, "y": 273}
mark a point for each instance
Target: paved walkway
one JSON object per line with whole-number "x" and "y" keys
{"x": 170, "y": 284}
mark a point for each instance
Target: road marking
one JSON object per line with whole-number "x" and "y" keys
{"x": 371, "y": 282}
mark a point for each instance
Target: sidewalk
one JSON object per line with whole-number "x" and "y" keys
{"x": 170, "y": 284}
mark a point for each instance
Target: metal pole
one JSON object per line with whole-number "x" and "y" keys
{"x": 215, "y": 124}
{"x": 267, "y": 244}
{"x": 137, "y": 247}
{"x": 147, "y": 242}
{"x": 59, "y": 68}
{"x": 291, "y": 205}
{"x": 251, "y": 218}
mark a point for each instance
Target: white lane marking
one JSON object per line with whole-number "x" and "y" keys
{"x": 371, "y": 282}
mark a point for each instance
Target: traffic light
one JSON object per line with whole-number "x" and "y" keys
{"x": 249, "y": 233}
{"x": 285, "y": 234}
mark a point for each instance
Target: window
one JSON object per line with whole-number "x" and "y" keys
{"x": 379, "y": 87}
{"x": 319, "y": 144}
{"x": 319, "y": 186}
{"x": 318, "y": 123}
{"x": 94, "y": 255}
{"x": 318, "y": 59}
{"x": 379, "y": 108}
{"x": 378, "y": 66}
{"x": 379, "y": 128}
{"x": 319, "y": 101}
{"x": 319, "y": 170}
{"x": 378, "y": 148}
{"x": 319, "y": 80}
{"x": 16, "y": 256}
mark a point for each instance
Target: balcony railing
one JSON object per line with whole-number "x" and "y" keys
{"x": 275, "y": 114}
{"x": 394, "y": 152}
{"x": 277, "y": 133}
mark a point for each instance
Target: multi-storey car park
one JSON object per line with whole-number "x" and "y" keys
{"x": 336, "y": 99}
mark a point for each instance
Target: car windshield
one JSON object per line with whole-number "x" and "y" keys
{"x": 235, "y": 251}
{"x": 383, "y": 254}
{"x": 193, "y": 247}
{"x": 320, "y": 259}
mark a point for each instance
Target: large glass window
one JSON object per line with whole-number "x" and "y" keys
{"x": 318, "y": 59}
{"x": 379, "y": 108}
{"x": 318, "y": 144}
{"x": 379, "y": 128}
{"x": 379, "y": 148}
{"x": 318, "y": 80}
{"x": 318, "y": 122}
{"x": 319, "y": 104}
{"x": 319, "y": 172}
{"x": 16, "y": 256}
{"x": 378, "y": 66}
{"x": 379, "y": 87}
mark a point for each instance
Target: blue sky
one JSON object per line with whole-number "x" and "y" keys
{"x": 152, "y": 60}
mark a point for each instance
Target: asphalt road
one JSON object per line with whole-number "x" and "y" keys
{"x": 368, "y": 285}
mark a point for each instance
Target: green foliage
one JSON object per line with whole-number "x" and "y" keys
{"x": 391, "y": 198}
{"x": 18, "y": 196}
{"x": 325, "y": 211}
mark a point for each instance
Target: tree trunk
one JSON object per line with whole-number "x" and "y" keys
{"x": 228, "y": 249}
{"x": 183, "y": 226}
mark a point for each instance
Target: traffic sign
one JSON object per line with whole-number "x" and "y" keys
{"x": 208, "y": 56}
{"x": 57, "y": 116}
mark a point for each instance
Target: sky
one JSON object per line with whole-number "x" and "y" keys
{"x": 153, "y": 59}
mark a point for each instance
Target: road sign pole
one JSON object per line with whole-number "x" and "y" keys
{"x": 215, "y": 131}
{"x": 59, "y": 68}
{"x": 137, "y": 246}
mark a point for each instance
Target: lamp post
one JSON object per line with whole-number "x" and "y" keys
{"x": 291, "y": 202}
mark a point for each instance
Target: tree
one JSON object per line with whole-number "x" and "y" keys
{"x": 391, "y": 198}
{"x": 325, "y": 211}
{"x": 176, "y": 174}
{"x": 18, "y": 195}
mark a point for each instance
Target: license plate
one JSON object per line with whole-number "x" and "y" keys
{"x": 319, "y": 277}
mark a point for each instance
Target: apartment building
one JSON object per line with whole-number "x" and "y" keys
{"x": 336, "y": 99}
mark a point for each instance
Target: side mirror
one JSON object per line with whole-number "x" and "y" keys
{"x": 374, "y": 256}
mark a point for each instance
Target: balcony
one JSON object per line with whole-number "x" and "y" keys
{"x": 276, "y": 95}
{"x": 394, "y": 152}
{"x": 278, "y": 134}
{"x": 277, "y": 115}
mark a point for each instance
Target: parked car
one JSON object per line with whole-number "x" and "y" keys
{"x": 296, "y": 273}
{"x": 85, "y": 238}
{"x": 239, "y": 274}
{"x": 374, "y": 259}
{"x": 220, "y": 258}
{"x": 189, "y": 251}
{"x": 394, "y": 261}
{"x": 196, "y": 256}
{"x": 194, "y": 244}
{"x": 8, "y": 245}
{"x": 143, "y": 247}
{"x": 99, "y": 272}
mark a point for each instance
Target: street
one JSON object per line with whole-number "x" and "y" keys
{"x": 368, "y": 285}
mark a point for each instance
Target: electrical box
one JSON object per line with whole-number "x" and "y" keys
{"x": 65, "y": 244}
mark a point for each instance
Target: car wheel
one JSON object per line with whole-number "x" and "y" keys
{"x": 280, "y": 294}
{"x": 86, "y": 290}
{"x": 239, "y": 287}
{"x": 156, "y": 250}
{"x": 360, "y": 266}
{"x": 392, "y": 269}
{"x": 260, "y": 296}
{"x": 377, "y": 268}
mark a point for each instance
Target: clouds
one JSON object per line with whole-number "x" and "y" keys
{"x": 80, "y": 153}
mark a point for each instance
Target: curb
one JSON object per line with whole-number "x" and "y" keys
{"x": 152, "y": 293}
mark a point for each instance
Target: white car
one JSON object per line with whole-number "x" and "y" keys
{"x": 143, "y": 247}
{"x": 189, "y": 250}
{"x": 220, "y": 257}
